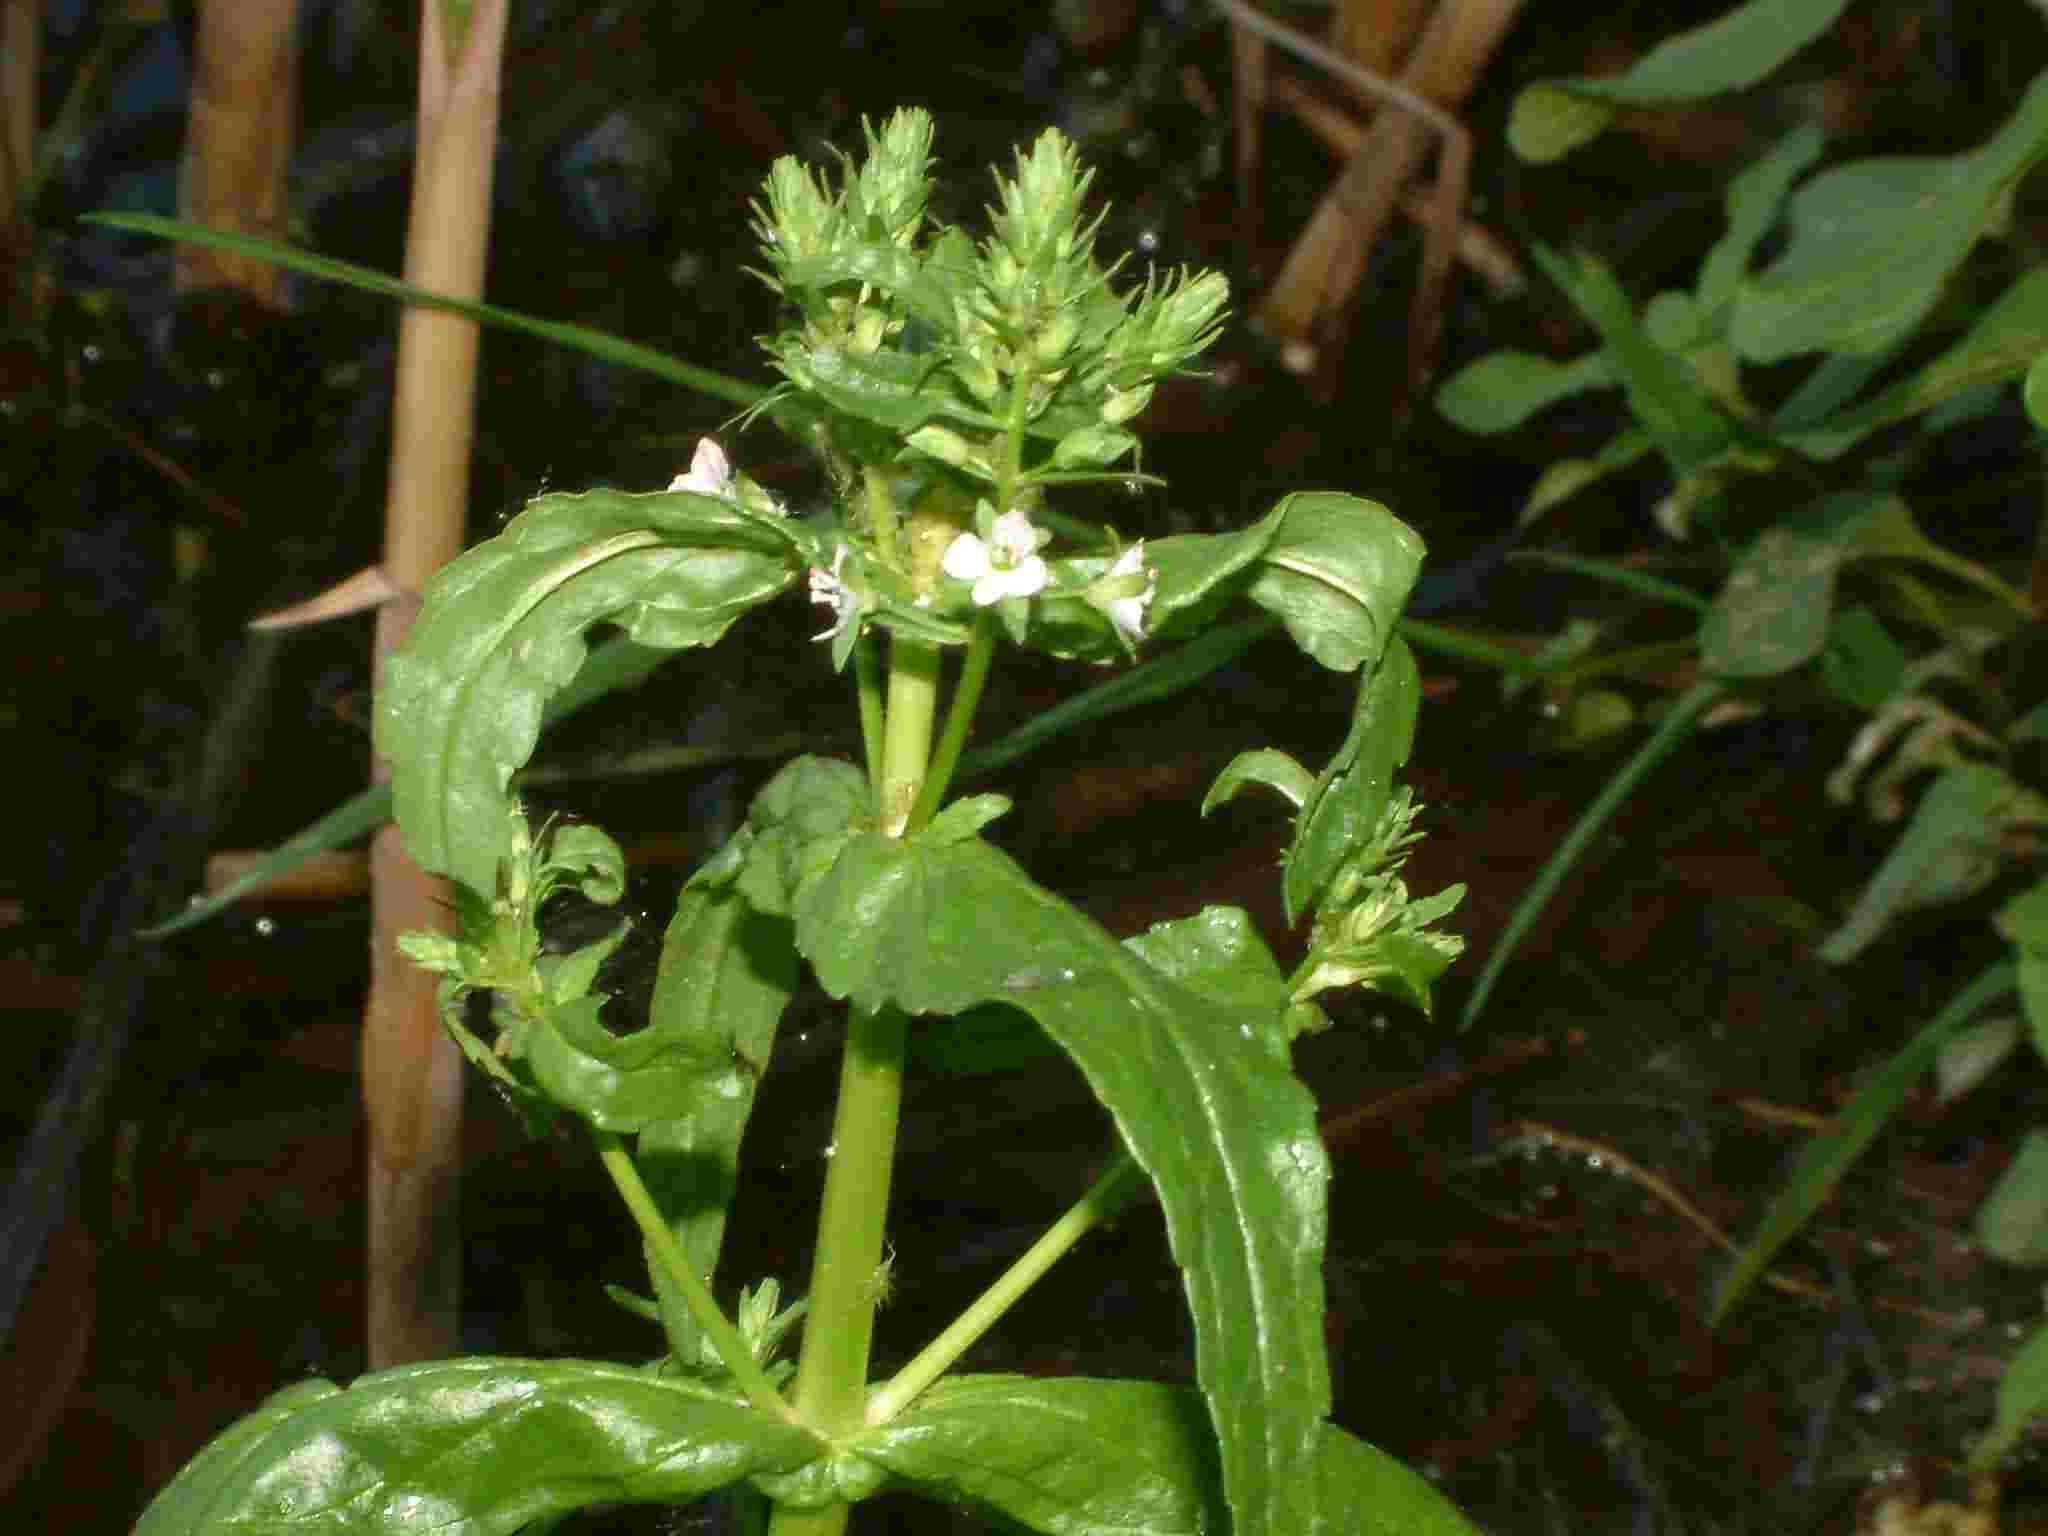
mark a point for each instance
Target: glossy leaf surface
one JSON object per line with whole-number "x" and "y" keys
{"x": 1335, "y": 570}
{"x": 1208, "y": 1108}
{"x": 503, "y": 629}
{"x": 1082, "y": 1457}
{"x": 468, "y": 1447}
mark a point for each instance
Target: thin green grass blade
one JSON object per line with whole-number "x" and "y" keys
{"x": 354, "y": 818}
{"x": 1676, "y": 727}
{"x": 1827, "y": 1157}
{"x": 612, "y": 349}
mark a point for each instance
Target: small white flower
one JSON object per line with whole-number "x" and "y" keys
{"x": 1125, "y": 607}
{"x": 1007, "y": 564}
{"x": 828, "y": 588}
{"x": 710, "y": 472}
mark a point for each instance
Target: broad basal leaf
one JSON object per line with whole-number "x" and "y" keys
{"x": 503, "y": 628}
{"x": 1874, "y": 242}
{"x": 1205, "y": 1104}
{"x": 1081, "y": 1457}
{"x": 468, "y": 1447}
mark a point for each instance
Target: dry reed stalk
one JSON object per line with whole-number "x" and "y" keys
{"x": 1310, "y": 301}
{"x": 238, "y": 141}
{"x": 412, "y": 1072}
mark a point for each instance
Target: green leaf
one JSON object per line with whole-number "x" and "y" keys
{"x": 503, "y": 628}
{"x": 1863, "y": 664}
{"x": 1219, "y": 954}
{"x": 727, "y": 973}
{"x": 1335, "y": 569}
{"x": 794, "y": 827}
{"x": 2012, "y": 1223}
{"x": 1504, "y": 389}
{"x": 1337, "y": 574}
{"x": 1207, "y": 1108}
{"x": 2022, "y": 1398}
{"x": 1266, "y": 765}
{"x": 469, "y": 1447}
{"x": 1351, "y": 793}
{"x": 1565, "y": 478}
{"x": 1873, "y": 243}
{"x": 1083, "y": 1457}
{"x": 2024, "y": 920}
{"x": 1664, "y": 393}
{"x": 1831, "y": 1154}
{"x": 1949, "y": 850}
{"x": 617, "y": 664}
{"x": 1753, "y": 199}
{"x": 1554, "y": 117}
{"x": 1774, "y": 612}
{"x": 2004, "y": 342}
{"x": 2036, "y": 392}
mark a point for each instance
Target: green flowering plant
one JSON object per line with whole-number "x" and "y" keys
{"x": 954, "y": 391}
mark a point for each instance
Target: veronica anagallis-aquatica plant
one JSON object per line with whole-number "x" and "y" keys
{"x": 955, "y": 389}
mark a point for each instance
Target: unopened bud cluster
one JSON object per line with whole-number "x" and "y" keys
{"x": 1021, "y": 333}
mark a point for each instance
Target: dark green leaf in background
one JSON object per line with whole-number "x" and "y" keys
{"x": 1553, "y": 117}
{"x": 1873, "y": 243}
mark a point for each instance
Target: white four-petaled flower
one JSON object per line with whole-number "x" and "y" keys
{"x": 710, "y": 471}
{"x": 827, "y": 587}
{"x": 1006, "y": 564}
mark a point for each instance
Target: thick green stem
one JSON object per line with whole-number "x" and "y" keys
{"x": 907, "y": 729}
{"x": 725, "y": 1338}
{"x": 831, "y": 1383}
{"x": 1109, "y": 1195}
{"x": 839, "y": 1327}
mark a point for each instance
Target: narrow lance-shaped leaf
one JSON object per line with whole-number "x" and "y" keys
{"x": 1345, "y": 803}
{"x": 727, "y": 973}
{"x": 503, "y": 628}
{"x": 1204, "y": 1100}
{"x": 469, "y": 1448}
